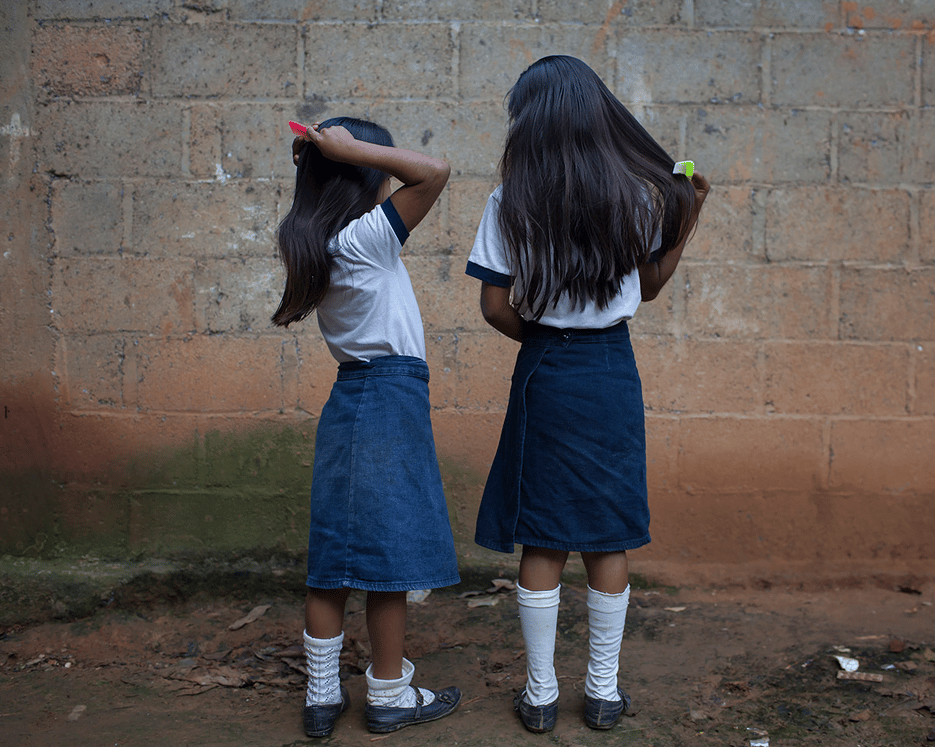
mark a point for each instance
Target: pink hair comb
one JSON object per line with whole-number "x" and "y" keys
{"x": 298, "y": 129}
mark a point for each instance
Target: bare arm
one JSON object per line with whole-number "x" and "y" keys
{"x": 423, "y": 177}
{"x": 654, "y": 275}
{"x": 498, "y": 313}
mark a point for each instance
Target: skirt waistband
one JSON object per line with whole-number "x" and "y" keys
{"x": 386, "y": 365}
{"x": 536, "y": 333}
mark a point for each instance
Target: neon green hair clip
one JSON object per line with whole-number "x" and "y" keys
{"x": 684, "y": 167}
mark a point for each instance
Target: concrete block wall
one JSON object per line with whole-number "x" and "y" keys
{"x": 788, "y": 369}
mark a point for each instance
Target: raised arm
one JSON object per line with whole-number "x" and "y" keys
{"x": 654, "y": 275}
{"x": 423, "y": 176}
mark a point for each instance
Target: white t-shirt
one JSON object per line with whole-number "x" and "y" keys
{"x": 370, "y": 309}
{"x": 490, "y": 262}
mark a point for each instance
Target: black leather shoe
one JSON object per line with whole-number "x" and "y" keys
{"x": 382, "y": 719}
{"x": 319, "y": 719}
{"x": 603, "y": 714}
{"x": 538, "y": 719}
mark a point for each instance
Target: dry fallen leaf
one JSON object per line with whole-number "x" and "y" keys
{"x": 255, "y": 614}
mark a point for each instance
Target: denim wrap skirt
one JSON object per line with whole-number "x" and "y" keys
{"x": 570, "y": 469}
{"x": 379, "y": 520}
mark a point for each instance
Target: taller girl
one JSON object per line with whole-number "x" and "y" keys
{"x": 589, "y": 220}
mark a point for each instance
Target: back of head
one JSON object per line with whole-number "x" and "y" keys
{"x": 328, "y": 196}
{"x": 585, "y": 186}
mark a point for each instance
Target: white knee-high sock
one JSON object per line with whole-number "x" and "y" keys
{"x": 396, "y": 693}
{"x": 538, "y": 616}
{"x": 323, "y": 663}
{"x": 607, "y": 616}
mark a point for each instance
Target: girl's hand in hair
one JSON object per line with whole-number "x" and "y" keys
{"x": 335, "y": 143}
{"x": 702, "y": 187}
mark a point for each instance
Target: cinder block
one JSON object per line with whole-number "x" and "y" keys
{"x": 302, "y": 10}
{"x": 467, "y": 199}
{"x": 87, "y": 217}
{"x": 743, "y": 454}
{"x": 104, "y": 139}
{"x": 725, "y": 230}
{"x": 469, "y": 136}
{"x": 797, "y": 14}
{"x": 484, "y": 367}
{"x": 883, "y": 456}
{"x": 85, "y": 10}
{"x": 706, "y": 376}
{"x": 920, "y": 152}
{"x": 887, "y": 303}
{"x": 231, "y": 60}
{"x": 874, "y": 148}
{"x": 96, "y": 295}
{"x": 255, "y": 142}
{"x": 430, "y": 236}
{"x": 890, "y": 15}
{"x": 378, "y": 61}
{"x": 927, "y": 225}
{"x": 713, "y": 67}
{"x": 316, "y": 370}
{"x": 924, "y": 365}
{"x": 237, "y": 295}
{"x": 592, "y": 44}
{"x": 615, "y": 14}
{"x": 818, "y": 224}
{"x": 492, "y": 57}
{"x": 742, "y": 144}
{"x": 846, "y": 71}
{"x": 87, "y": 60}
{"x": 662, "y": 315}
{"x": 92, "y": 368}
{"x": 928, "y": 71}
{"x": 205, "y": 219}
{"x": 835, "y": 378}
{"x": 208, "y": 373}
{"x": 662, "y": 453}
{"x": 204, "y": 145}
{"x": 448, "y": 299}
{"x": 759, "y": 302}
{"x": 441, "y": 354}
{"x": 455, "y": 10}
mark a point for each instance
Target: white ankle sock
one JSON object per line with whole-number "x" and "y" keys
{"x": 396, "y": 693}
{"x": 323, "y": 663}
{"x": 607, "y": 616}
{"x": 538, "y": 616}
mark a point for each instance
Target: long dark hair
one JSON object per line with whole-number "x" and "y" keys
{"x": 328, "y": 196}
{"x": 585, "y": 187}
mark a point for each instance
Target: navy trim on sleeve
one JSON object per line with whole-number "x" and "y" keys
{"x": 488, "y": 276}
{"x": 399, "y": 228}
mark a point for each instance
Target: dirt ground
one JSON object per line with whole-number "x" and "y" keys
{"x": 704, "y": 667}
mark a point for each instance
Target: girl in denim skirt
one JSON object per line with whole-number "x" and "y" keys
{"x": 588, "y": 221}
{"x": 379, "y": 521}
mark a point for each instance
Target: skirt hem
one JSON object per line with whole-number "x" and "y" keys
{"x": 353, "y": 583}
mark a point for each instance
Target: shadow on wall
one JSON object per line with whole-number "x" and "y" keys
{"x": 73, "y": 485}
{"x": 77, "y": 484}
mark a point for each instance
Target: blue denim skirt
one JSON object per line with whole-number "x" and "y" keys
{"x": 570, "y": 469}
{"x": 379, "y": 520}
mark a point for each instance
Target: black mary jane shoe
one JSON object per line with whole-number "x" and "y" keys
{"x": 383, "y": 719}
{"x": 537, "y": 719}
{"x": 319, "y": 719}
{"x": 603, "y": 714}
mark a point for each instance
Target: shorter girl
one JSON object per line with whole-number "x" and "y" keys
{"x": 588, "y": 221}
{"x": 379, "y": 521}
